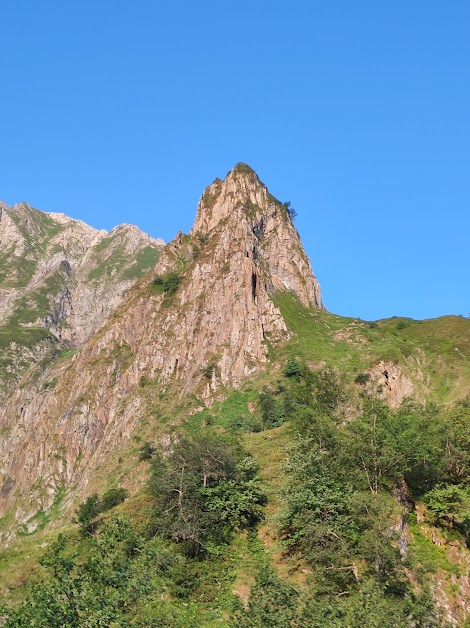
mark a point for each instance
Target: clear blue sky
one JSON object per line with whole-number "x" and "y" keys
{"x": 357, "y": 112}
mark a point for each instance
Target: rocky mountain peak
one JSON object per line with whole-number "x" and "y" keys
{"x": 240, "y": 192}
{"x": 261, "y": 227}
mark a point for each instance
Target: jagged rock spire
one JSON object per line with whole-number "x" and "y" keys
{"x": 243, "y": 205}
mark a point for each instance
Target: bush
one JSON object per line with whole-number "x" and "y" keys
{"x": 272, "y": 411}
{"x": 146, "y": 451}
{"x": 362, "y": 379}
{"x": 208, "y": 370}
{"x": 293, "y": 368}
{"x": 112, "y": 498}
{"x": 168, "y": 283}
{"x": 88, "y": 511}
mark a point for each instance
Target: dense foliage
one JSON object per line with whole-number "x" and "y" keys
{"x": 205, "y": 489}
{"x": 120, "y": 578}
{"x": 352, "y": 484}
{"x": 94, "y": 505}
{"x": 167, "y": 283}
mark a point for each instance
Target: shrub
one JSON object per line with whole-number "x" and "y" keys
{"x": 112, "y": 498}
{"x": 272, "y": 411}
{"x": 87, "y": 512}
{"x": 292, "y": 368}
{"x": 362, "y": 378}
{"x": 208, "y": 370}
{"x": 167, "y": 283}
{"x": 146, "y": 451}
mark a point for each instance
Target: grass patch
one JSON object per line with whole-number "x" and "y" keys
{"x": 429, "y": 556}
{"x": 145, "y": 260}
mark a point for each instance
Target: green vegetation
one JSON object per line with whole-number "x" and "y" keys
{"x": 289, "y": 503}
{"x": 88, "y": 511}
{"x": 328, "y": 495}
{"x": 145, "y": 260}
{"x": 38, "y": 304}
{"x": 15, "y": 271}
{"x": 449, "y": 505}
{"x": 205, "y": 489}
{"x": 242, "y": 168}
{"x": 209, "y": 369}
{"x": 290, "y": 211}
{"x": 436, "y": 348}
{"x": 37, "y": 229}
{"x": 19, "y": 348}
{"x": 111, "y": 258}
{"x": 167, "y": 285}
{"x": 123, "y": 574}
{"x": 272, "y": 411}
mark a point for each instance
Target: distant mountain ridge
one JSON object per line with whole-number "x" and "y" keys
{"x": 61, "y": 276}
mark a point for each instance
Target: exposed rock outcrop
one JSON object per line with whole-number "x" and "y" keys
{"x": 390, "y": 382}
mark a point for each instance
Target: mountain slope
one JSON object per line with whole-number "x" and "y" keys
{"x": 229, "y": 331}
{"x": 60, "y": 275}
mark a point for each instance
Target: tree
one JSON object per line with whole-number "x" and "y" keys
{"x": 292, "y": 368}
{"x": 112, "y": 498}
{"x": 87, "y": 514}
{"x": 289, "y": 209}
{"x": 272, "y": 411}
{"x": 450, "y": 505}
{"x": 203, "y": 490}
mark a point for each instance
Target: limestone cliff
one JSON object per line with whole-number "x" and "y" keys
{"x": 208, "y": 331}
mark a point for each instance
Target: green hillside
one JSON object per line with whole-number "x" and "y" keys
{"x": 314, "y": 504}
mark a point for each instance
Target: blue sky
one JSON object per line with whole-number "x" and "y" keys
{"x": 356, "y": 112}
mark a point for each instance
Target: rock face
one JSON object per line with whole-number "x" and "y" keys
{"x": 60, "y": 275}
{"x": 243, "y": 204}
{"x": 389, "y": 381}
{"x": 204, "y": 325}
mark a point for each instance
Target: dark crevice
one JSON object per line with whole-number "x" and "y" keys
{"x": 258, "y": 228}
{"x": 254, "y": 280}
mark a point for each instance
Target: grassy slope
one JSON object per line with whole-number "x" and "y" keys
{"x": 438, "y": 347}
{"x": 435, "y": 353}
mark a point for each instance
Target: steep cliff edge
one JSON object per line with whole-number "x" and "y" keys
{"x": 210, "y": 330}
